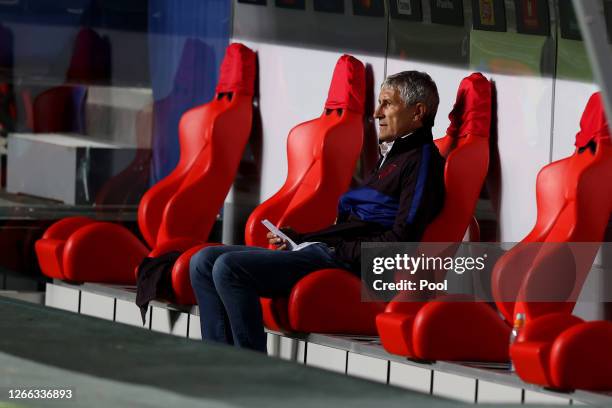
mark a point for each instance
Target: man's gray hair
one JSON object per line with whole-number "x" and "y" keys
{"x": 413, "y": 87}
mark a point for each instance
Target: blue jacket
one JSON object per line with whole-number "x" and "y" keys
{"x": 395, "y": 203}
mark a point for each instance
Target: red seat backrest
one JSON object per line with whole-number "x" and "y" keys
{"x": 60, "y": 109}
{"x": 574, "y": 202}
{"x": 91, "y": 58}
{"x": 321, "y": 154}
{"x": 466, "y": 149}
{"x": 212, "y": 138}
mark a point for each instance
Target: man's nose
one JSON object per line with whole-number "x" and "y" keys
{"x": 378, "y": 113}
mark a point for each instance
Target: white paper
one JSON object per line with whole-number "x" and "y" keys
{"x": 292, "y": 245}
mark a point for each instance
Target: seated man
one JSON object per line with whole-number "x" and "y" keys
{"x": 398, "y": 199}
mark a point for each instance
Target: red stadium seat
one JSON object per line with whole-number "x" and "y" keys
{"x": 573, "y": 206}
{"x": 172, "y": 212}
{"x": 322, "y": 154}
{"x": 62, "y": 109}
{"x": 556, "y": 349}
{"x": 466, "y": 148}
{"x": 329, "y": 301}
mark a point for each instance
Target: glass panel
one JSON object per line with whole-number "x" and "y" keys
{"x": 91, "y": 93}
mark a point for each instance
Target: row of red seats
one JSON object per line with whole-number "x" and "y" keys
{"x": 322, "y": 154}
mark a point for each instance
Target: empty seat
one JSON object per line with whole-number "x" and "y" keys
{"x": 556, "y": 349}
{"x": 329, "y": 301}
{"x": 322, "y": 154}
{"x": 173, "y": 212}
{"x": 62, "y": 108}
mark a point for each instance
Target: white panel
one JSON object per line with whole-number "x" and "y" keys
{"x": 532, "y": 397}
{"x": 288, "y": 348}
{"x": 489, "y": 392}
{"x": 570, "y": 100}
{"x": 325, "y": 357}
{"x": 410, "y": 377}
{"x": 97, "y": 305}
{"x": 194, "y": 327}
{"x": 524, "y": 126}
{"x": 301, "y": 351}
{"x": 171, "y": 322}
{"x": 366, "y": 367}
{"x": 272, "y": 344}
{"x": 296, "y": 84}
{"x": 56, "y": 181}
{"x": 454, "y": 386}
{"x": 179, "y": 324}
{"x": 128, "y": 313}
{"x": 589, "y": 305}
{"x": 114, "y": 113}
{"x": 61, "y": 297}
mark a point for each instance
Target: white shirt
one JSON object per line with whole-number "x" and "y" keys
{"x": 385, "y": 148}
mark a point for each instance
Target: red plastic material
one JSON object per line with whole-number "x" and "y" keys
{"x": 441, "y": 331}
{"x": 91, "y": 58}
{"x": 322, "y": 154}
{"x": 531, "y": 351}
{"x": 60, "y": 109}
{"x": 181, "y": 282}
{"x": 347, "y": 90}
{"x": 471, "y": 114}
{"x": 467, "y": 160}
{"x": 237, "y": 71}
{"x": 308, "y": 202}
{"x": 212, "y": 139}
{"x": 417, "y": 329}
{"x": 573, "y": 206}
{"x": 329, "y": 301}
{"x": 593, "y": 125}
{"x": 556, "y": 349}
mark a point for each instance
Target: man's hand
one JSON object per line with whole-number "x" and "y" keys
{"x": 280, "y": 243}
{"x": 274, "y": 240}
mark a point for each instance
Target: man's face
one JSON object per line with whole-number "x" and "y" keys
{"x": 395, "y": 118}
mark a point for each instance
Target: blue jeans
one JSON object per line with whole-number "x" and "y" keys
{"x": 228, "y": 281}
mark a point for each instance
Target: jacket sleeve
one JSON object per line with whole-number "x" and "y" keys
{"x": 418, "y": 204}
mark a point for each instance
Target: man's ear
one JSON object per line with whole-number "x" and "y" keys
{"x": 420, "y": 111}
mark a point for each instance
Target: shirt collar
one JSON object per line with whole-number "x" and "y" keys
{"x": 385, "y": 147}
